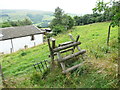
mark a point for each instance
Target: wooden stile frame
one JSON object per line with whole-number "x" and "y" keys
{"x": 65, "y": 47}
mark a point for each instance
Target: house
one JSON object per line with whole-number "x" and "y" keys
{"x": 48, "y": 30}
{"x": 15, "y": 38}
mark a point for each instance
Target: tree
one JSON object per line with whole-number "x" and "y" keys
{"x": 61, "y": 21}
{"x": 112, "y": 9}
{"x": 67, "y": 21}
{"x": 58, "y": 17}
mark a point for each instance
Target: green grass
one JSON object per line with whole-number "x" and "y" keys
{"x": 99, "y": 71}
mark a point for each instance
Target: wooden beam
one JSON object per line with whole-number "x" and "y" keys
{"x": 60, "y": 58}
{"x": 71, "y": 49}
{"x": 72, "y": 68}
{"x": 66, "y": 43}
{"x": 72, "y": 55}
{"x": 66, "y": 46}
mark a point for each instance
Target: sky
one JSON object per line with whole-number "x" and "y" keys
{"x": 68, "y": 6}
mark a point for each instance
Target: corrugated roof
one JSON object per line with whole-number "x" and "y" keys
{"x": 20, "y": 31}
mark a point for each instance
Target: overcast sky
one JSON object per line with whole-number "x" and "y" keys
{"x": 69, "y": 6}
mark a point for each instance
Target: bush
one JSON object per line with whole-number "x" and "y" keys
{"x": 57, "y": 29}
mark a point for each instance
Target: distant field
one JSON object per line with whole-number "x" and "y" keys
{"x": 100, "y": 71}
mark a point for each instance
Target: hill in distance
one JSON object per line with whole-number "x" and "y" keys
{"x": 38, "y": 17}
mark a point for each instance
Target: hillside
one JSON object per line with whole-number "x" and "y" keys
{"x": 38, "y": 17}
{"x": 99, "y": 71}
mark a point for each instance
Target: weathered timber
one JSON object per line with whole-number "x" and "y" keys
{"x": 53, "y": 43}
{"x": 108, "y": 34}
{"x": 51, "y": 51}
{"x": 66, "y": 46}
{"x": 60, "y": 58}
{"x": 72, "y": 55}
{"x": 66, "y": 43}
{"x": 72, "y": 68}
{"x": 71, "y": 49}
{"x": 74, "y": 41}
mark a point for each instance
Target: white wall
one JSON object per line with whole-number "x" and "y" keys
{"x": 19, "y": 43}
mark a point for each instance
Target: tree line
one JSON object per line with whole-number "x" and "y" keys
{"x": 103, "y": 12}
{"x": 16, "y": 23}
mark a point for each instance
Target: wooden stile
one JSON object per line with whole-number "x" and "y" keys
{"x": 65, "y": 47}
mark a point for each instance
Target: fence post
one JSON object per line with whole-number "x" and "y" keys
{"x": 51, "y": 51}
{"x": 2, "y": 76}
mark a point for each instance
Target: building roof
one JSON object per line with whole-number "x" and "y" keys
{"x": 20, "y": 31}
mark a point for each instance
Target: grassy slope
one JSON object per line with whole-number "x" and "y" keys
{"x": 98, "y": 72}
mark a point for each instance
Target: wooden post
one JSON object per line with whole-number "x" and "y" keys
{"x": 60, "y": 58}
{"x": 71, "y": 37}
{"x": 77, "y": 38}
{"x": 108, "y": 35}
{"x": 53, "y": 43}
{"x": 51, "y": 52}
{"x": 2, "y": 76}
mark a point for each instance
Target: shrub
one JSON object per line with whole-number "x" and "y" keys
{"x": 57, "y": 29}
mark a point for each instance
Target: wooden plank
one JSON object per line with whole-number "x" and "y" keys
{"x": 71, "y": 49}
{"x": 66, "y": 46}
{"x": 72, "y": 68}
{"x": 66, "y": 43}
{"x": 72, "y": 55}
{"x": 60, "y": 58}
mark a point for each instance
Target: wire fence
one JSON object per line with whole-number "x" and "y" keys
{"x": 42, "y": 66}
